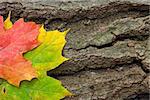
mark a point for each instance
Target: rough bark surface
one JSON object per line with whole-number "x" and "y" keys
{"x": 108, "y": 45}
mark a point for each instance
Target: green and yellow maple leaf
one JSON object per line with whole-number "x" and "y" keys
{"x": 44, "y": 88}
{"x": 48, "y": 55}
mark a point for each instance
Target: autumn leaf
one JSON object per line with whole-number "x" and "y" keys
{"x": 16, "y": 40}
{"x": 44, "y": 88}
{"x": 48, "y": 55}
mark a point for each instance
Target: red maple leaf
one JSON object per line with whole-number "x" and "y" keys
{"x": 13, "y": 43}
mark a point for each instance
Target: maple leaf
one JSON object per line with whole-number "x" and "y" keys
{"x": 16, "y": 40}
{"x": 48, "y": 55}
{"x": 44, "y": 88}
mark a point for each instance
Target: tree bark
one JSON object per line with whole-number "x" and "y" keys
{"x": 108, "y": 45}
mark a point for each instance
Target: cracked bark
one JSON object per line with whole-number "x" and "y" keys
{"x": 108, "y": 45}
